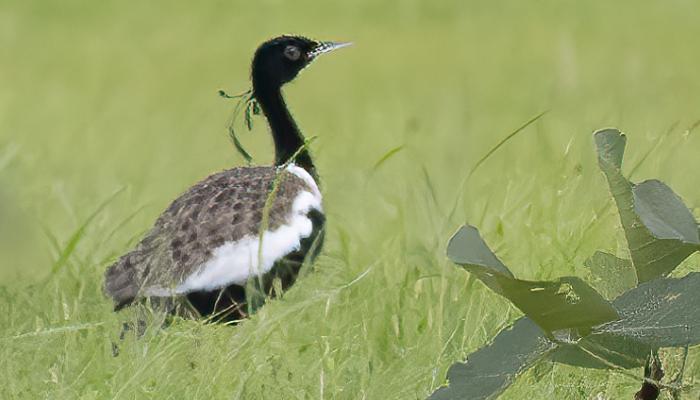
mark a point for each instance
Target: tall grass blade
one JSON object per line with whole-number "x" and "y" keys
{"x": 503, "y": 142}
{"x": 386, "y": 157}
{"x": 486, "y": 156}
{"x": 653, "y": 148}
{"x": 79, "y": 233}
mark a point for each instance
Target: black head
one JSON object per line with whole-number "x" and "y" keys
{"x": 279, "y": 60}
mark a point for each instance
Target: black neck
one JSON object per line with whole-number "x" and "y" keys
{"x": 285, "y": 133}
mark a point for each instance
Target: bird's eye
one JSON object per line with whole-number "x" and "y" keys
{"x": 292, "y": 53}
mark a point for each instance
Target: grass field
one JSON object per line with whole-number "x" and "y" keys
{"x": 108, "y": 110}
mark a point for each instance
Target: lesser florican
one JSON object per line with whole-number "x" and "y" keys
{"x": 212, "y": 239}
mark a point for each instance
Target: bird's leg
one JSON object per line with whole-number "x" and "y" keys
{"x": 255, "y": 295}
{"x": 138, "y": 327}
{"x": 159, "y": 311}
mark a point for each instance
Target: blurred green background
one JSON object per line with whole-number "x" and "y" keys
{"x": 101, "y": 97}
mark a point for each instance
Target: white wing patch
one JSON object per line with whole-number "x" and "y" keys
{"x": 310, "y": 182}
{"x": 235, "y": 262}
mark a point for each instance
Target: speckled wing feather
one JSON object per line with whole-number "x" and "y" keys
{"x": 224, "y": 207}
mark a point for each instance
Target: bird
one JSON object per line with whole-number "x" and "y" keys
{"x": 241, "y": 225}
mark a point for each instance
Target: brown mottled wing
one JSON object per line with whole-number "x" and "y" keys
{"x": 224, "y": 207}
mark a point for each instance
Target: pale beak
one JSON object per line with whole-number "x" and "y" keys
{"x": 325, "y": 47}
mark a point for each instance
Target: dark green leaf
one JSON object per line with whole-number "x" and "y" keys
{"x": 247, "y": 116}
{"x": 490, "y": 370}
{"x": 256, "y": 106}
{"x": 602, "y": 351}
{"x": 652, "y": 256}
{"x": 239, "y": 146}
{"x": 466, "y": 247}
{"x": 565, "y": 303}
{"x": 244, "y": 102}
{"x": 664, "y": 213}
{"x": 661, "y": 313}
{"x": 611, "y": 146}
{"x": 613, "y": 275}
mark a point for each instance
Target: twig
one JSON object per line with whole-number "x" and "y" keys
{"x": 653, "y": 373}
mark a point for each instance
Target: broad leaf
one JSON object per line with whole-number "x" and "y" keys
{"x": 566, "y": 303}
{"x": 466, "y": 247}
{"x": 664, "y": 213}
{"x": 661, "y": 313}
{"x": 490, "y": 370}
{"x": 657, "y": 225}
{"x": 613, "y": 276}
{"x": 602, "y": 352}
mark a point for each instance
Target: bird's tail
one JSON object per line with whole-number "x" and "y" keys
{"x": 121, "y": 281}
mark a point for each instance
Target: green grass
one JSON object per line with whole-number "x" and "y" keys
{"x": 104, "y": 97}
